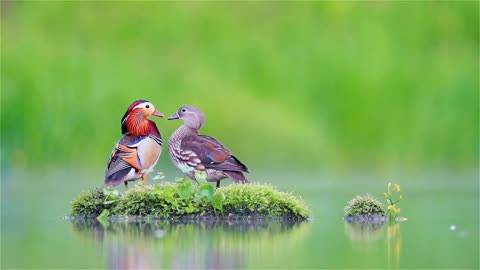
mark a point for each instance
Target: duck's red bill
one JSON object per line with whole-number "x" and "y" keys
{"x": 157, "y": 113}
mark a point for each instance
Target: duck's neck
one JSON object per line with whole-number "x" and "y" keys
{"x": 137, "y": 124}
{"x": 182, "y": 132}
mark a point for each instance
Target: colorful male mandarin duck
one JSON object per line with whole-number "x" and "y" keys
{"x": 139, "y": 149}
{"x": 190, "y": 151}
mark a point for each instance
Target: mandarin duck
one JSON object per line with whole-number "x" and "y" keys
{"x": 137, "y": 152}
{"x": 191, "y": 151}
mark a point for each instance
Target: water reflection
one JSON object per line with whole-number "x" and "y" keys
{"x": 167, "y": 244}
{"x": 363, "y": 231}
{"x": 368, "y": 235}
{"x": 394, "y": 245}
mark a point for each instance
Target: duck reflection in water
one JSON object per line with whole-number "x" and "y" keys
{"x": 167, "y": 244}
{"x": 119, "y": 254}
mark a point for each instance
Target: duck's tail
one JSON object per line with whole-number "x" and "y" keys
{"x": 238, "y": 177}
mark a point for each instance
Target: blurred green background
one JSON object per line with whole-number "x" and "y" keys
{"x": 329, "y": 99}
{"x": 329, "y": 85}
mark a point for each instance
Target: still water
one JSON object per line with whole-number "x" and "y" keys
{"x": 442, "y": 230}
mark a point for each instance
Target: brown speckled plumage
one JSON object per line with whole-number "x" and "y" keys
{"x": 191, "y": 151}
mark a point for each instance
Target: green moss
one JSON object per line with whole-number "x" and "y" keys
{"x": 263, "y": 200}
{"x": 163, "y": 200}
{"x": 89, "y": 203}
{"x": 181, "y": 199}
{"x": 365, "y": 205}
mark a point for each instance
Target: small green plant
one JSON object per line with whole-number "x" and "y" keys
{"x": 392, "y": 209}
{"x": 103, "y": 217}
{"x": 365, "y": 205}
{"x": 205, "y": 190}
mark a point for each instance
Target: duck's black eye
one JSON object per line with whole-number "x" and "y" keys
{"x": 184, "y": 110}
{"x": 147, "y": 106}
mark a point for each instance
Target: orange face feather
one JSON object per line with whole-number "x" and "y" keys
{"x": 138, "y": 124}
{"x": 135, "y": 119}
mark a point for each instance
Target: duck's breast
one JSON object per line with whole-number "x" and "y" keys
{"x": 148, "y": 152}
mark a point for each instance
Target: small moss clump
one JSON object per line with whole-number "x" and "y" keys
{"x": 263, "y": 200}
{"x": 365, "y": 205}
{"x": 89, "y": 203}
{"x": 184, "y": 199}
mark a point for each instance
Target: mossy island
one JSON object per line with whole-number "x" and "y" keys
{"x": 365, "y": 209}
{"x": 185, "y": 200}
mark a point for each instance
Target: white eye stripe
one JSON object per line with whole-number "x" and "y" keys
{"x": 142, "y": 105}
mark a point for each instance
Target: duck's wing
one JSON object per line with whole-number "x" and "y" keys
{"x": 211, "y": 153}
{"x": 123, "y": 158}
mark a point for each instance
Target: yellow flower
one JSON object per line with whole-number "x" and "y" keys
{"x": 393, "y": 208}
{"x": 401, "y": 196}
{"x": 397, "y": 187}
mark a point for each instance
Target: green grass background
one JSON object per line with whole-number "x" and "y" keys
{"x": 283, "y": 84}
